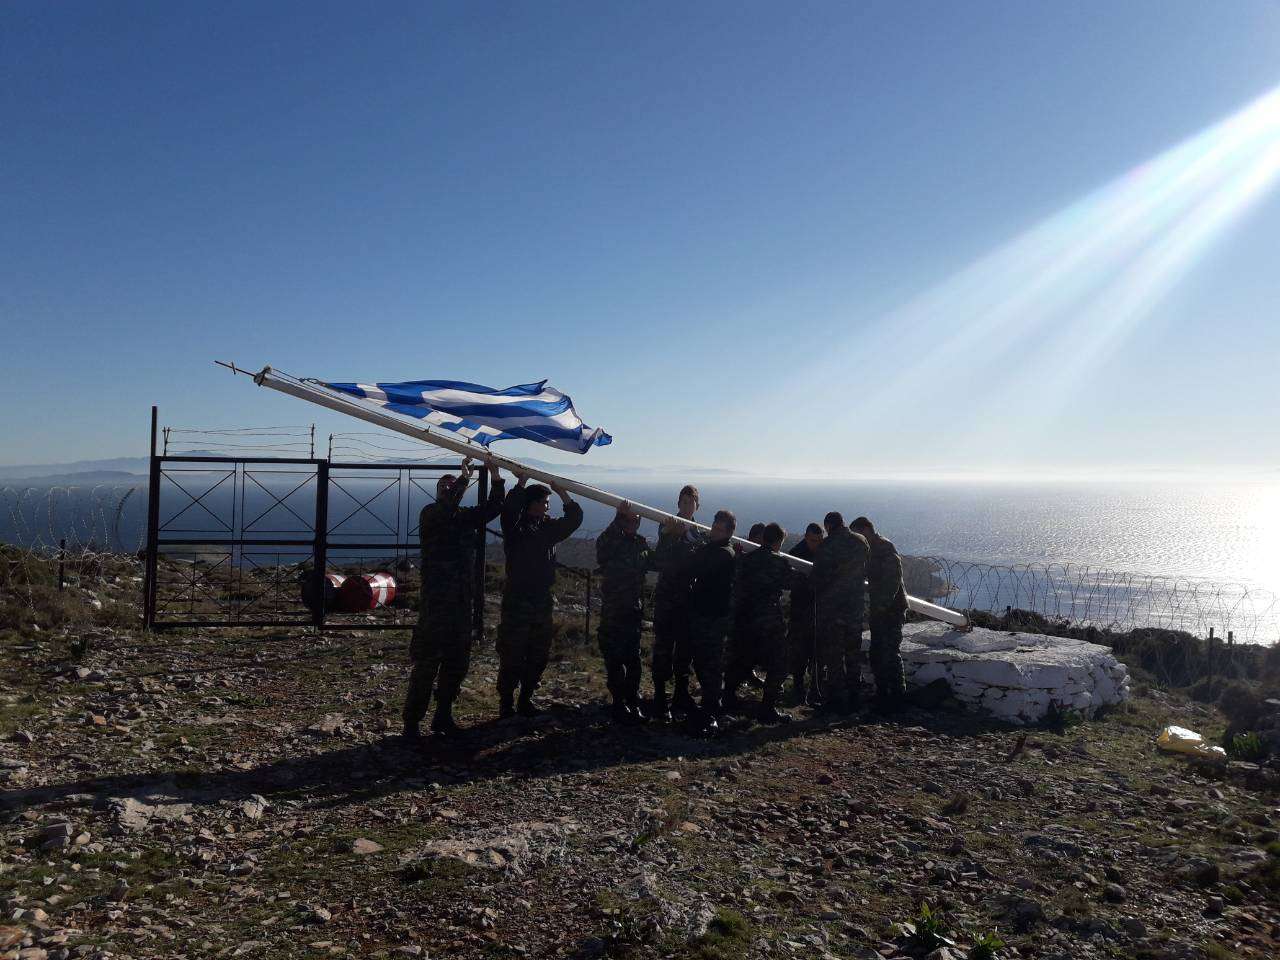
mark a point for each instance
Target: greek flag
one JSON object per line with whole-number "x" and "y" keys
{"x": 531, "y": 411}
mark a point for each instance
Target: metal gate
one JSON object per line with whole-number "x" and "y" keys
{"x": 235, "y": 541}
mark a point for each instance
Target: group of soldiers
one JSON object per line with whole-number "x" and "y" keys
{"x": 718, "y": 610}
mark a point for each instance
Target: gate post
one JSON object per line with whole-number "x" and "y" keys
{"x": 320, "y": 545}
{"x": 153, "y": 533}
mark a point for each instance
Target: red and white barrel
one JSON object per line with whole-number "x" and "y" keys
{"x": 332, "y": 586}
{"x": 368, "y": 591}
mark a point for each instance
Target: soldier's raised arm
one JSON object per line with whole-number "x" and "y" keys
{"x": 492, "y": 507}
{"x": 563, "y": 528}
{"x": 513, "y": 506}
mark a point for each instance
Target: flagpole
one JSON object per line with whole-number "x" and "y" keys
{"x": 341, "y": 403}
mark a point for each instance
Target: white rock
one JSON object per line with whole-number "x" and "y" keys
{"x": 1014, "y": 676}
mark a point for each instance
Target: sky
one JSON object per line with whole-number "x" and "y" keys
{"x": 804, "y": 239}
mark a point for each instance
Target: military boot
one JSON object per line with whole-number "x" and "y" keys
{"x": 661, "y": 709}
{"x": 526, "y": 707}
{"x": 410, "y": 732}
{"x": 769, "y": 712}
{"x": 731, "y": 703}
{"x": 682, "y": 701}
{"x": 634, "y": 703}
{"x": 619, "y": 711}
{"x": 506, "y": 704}
{"x": 442, "y": 722}
{"x": 795, "y": 693}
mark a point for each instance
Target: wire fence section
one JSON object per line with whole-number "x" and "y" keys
{"x": 1100, "y": 597}
{"x": 105, "y": 520}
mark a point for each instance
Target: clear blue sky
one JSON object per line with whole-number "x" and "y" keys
{"x": 701, "y": 220}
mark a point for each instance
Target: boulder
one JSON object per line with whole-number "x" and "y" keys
{"x": 1017, "y": 677}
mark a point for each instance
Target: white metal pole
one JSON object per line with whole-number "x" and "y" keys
{"x": 350, "y": 406}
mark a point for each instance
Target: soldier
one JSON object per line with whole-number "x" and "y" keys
{"x": 676, "y": 544}
{"x": 524, "y": 635}
{"x": 623, "y": 557}
{"x": 803, "y": 628}
{"x": 886, "y": 611}
{"x": 711, "y": 576}
{"x": 739, "y": 645}
{"x": 838, "y": 576}
{"x": 441, "y": 645}
{"x": 762, "y": 577}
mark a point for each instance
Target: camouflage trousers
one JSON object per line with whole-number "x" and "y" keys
{"x": 440, "y": 651}
{"x": 619, "y": 639}
{"x": 524, "y": 642}
{"x": 840, "y": 658}
{"x": 671, "y": 654}
{"x": 801, "y": 652}
{"x": 759, "y": 644}
{"x": 886, "y": 659}
{"x": 706, "y": 647}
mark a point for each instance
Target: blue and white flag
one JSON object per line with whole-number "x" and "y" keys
{"x": 531, "y": 411}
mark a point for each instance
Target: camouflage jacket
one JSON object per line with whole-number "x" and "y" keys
{"x": 675, "y": 550}
{"x": 449, "y": 534}
{"x": 712, "y": 571}
{"x": 761, "y": 579}
{"x": 623, "y": 561}
{"x": 530, "y": 545}
{"x": 839, "y": 575}
{"x": 887, "y": 595}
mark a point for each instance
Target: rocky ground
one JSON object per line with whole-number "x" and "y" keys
{"x": 231, "y": 794}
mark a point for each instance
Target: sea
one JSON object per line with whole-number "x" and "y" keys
{"x": 1172, "y": 553}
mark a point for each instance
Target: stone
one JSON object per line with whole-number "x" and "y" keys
{"x": 1134, "y": 927}
{"x": 1114, "y": 893}
{"x": 1202, "y": 872}
{"x": 133, "y": 814}
{"x": 509, "y": 848}
{"x": 1023, "y": 912}
{"x": 254, "y": 807}
{"x": 1016, "y": 677}
{"x": 364, "y": 846}
{"x": 24, "y": 737}
{"x": 11, "y": 936}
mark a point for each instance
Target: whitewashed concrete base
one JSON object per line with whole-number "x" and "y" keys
{"x": 1013, "y": 676}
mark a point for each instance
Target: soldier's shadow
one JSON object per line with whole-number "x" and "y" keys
{"x": 565, "y": 740}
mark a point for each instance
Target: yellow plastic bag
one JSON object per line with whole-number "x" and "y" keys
{"x": 1182, "y": 740}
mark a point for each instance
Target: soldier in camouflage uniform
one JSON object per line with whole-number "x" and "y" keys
{"x": 739, "y": 644}
{"x": 762, "y": 577}
{"x": 886, "y": 611}
{"x": 711, "y": 576}
{"x": 623, "y": 557}
{"x": 839, "y": 572}
{"x": 441, "y": 644}
{"x": 529, "y": 539}
{"x": 802, "y": 632}
{"x": 671, "y": 657}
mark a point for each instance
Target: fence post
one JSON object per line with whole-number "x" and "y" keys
{"x": 1212, "y": 643}
{"x": 586, "y": 633}
{"x": 320, "y": 545}
{"x": 62, "y": 564}
{"x": 150, "y": 561}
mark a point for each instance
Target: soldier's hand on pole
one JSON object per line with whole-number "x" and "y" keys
{"x": 561, "y": 492}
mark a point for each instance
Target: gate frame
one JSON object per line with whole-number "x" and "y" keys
{"x": 318, "y": 542}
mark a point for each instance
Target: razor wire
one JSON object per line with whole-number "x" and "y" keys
{"x": 1086, "y": 595}
{"x": 96, "y": 523}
